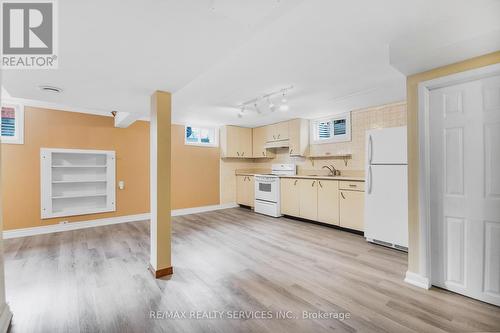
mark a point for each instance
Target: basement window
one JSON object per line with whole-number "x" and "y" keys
{"x": 332, "y": 129}
{"x": 12, "y": 123}
{"x": 201, "y": 136}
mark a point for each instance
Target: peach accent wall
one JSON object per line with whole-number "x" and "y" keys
{"x": 60, "y": 129}
{"x": 195, "y": 170}
{"x": 195, "y": 173}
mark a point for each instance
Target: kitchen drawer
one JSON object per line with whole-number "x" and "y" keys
{"x": 352, "y": 186}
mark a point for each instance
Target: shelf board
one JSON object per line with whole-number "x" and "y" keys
{"x": 79, "y": 196}
{"x": 73, "y": 212}
{"x": 79, "y": 166}
{"x": 78, "y": 181}
{"x": 331, "y": 156}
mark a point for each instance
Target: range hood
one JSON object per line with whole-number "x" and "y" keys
{"x": 277, "y": 144}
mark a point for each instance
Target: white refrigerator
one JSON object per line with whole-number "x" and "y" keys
{"x": 386, "y": 196}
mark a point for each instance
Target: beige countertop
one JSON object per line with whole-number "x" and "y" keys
{"x": 346, "y": 178}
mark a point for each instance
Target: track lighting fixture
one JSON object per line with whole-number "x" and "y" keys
{"x": 256, "y": 106}
{"x": 271, "y": 105}
{"x": 266, "y": 98}
{"x": 284, "y": 106}
{"x": 242, "y": 112}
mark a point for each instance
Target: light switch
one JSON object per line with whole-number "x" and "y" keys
{"x": 121, "y": 184}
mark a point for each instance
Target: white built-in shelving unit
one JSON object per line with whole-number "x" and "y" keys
{"x": 76, "y": 182}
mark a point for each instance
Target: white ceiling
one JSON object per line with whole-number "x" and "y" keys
{"x": 215, "y": 54}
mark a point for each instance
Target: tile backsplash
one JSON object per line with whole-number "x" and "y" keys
{"x": 391, "y": 115}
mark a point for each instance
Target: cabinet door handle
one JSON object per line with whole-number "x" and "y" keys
{"x": 342, "y": 194}
{"x": 319, "y": 182}
{"x": 314, "y": 182}
{"x": 263, "y": 153}
{"x": 353, "y": 185}
{"x": 279, "y": 136}
{"x": 243, "y": 153}
{"x": 274, "y": 137}
{"x": 291, "y": 151}
{"x": 295, "y": 183}
{"x": 238, "y": 153}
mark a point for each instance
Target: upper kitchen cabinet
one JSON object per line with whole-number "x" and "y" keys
{"x": 259, "y": 143}
{"x": 236, "y": 142}
{"x": 277, "y": 132}
{"x": 298, "y": 130}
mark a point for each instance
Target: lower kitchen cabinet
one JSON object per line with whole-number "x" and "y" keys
{"x": 328, "y": 201}
{"x": 352, "y": 205}
{"x": 290, "y": 199}
{"x": 245, "y": 190}
{"x": 308, "y": 199}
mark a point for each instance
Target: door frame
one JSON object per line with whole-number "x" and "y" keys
{"x": 423, "y": 278}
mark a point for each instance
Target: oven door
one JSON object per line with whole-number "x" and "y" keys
{"x": 266, "y": 188}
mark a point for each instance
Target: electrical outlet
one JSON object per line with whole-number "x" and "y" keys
{"x": 63, "y": 222}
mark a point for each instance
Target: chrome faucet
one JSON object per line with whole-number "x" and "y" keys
{"x": 336, "y": 172}
{"x": 332, "y": 169}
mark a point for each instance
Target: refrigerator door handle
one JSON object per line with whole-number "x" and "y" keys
{"x": 370, "y": 149}
{"x": 369, "y": 179}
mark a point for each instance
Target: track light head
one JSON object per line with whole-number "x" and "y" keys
{"x": 284, "y": 107}
{"x": 271, "y": 105}
{"x": 256, "y": 106}
{"x": 241, "y": 113}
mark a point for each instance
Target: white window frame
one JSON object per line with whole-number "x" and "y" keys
{"x": 19, "y": 124}
{"x": 202, "y": 144}
{"x": 339, "y": 138}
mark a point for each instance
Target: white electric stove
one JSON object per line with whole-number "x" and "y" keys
{"x": 267, "y": 189}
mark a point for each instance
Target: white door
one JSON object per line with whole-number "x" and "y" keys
{"x": 386, "y": 146}
{"x": 464, "y": 122}
{"x": 386, "y": 204}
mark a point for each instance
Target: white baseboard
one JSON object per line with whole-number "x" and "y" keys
{"x": 195, "y": 210}
{"x": 417, "y": 280}
{"x": 47, "y": 229}
{"x": 5, "y": 318}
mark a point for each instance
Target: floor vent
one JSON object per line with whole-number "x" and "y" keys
{"x": 387, "y": 244}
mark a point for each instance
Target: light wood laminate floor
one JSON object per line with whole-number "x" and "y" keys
{"x": 96, "y": 280}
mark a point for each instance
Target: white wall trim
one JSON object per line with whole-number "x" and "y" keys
{"x": 195, "y": 210}
{"x": 417, "y": 280}
{"x": 47, "y": 229}
{"x": 5, "y": 318}
{"x": 425, "y": 253}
